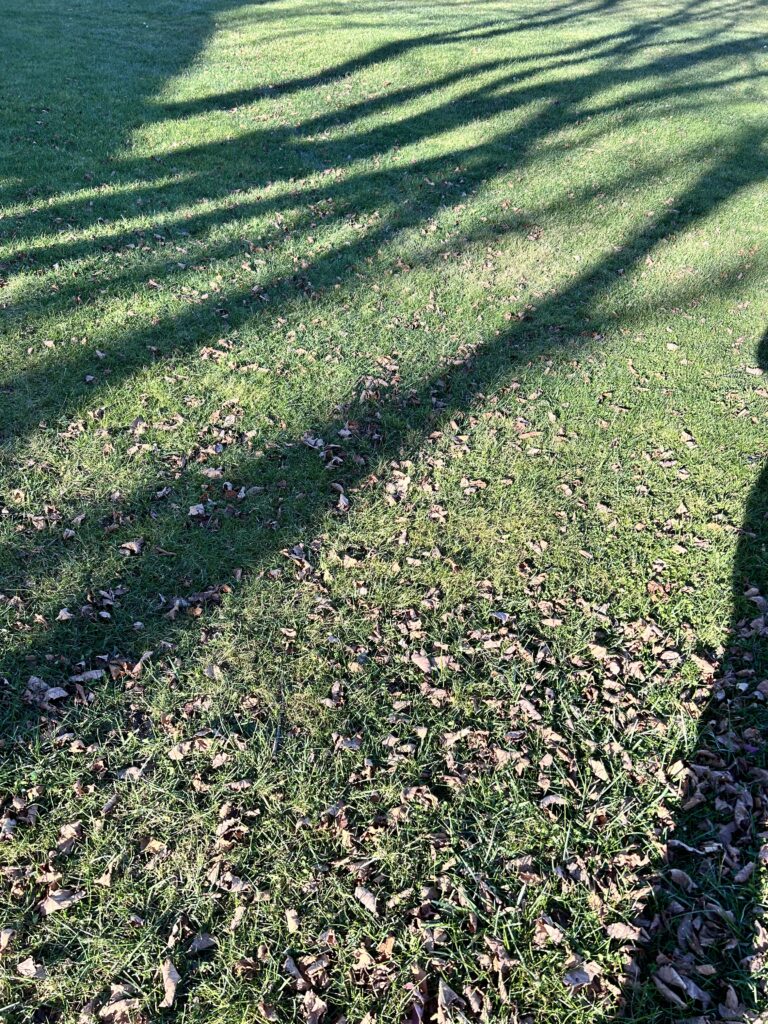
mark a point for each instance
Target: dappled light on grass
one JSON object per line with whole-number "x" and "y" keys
{"x": 381, "y": 399}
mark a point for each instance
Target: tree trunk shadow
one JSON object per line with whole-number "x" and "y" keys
{"x": 704, "y": 947}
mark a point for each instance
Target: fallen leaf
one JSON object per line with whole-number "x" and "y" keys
{"x": 110, "y": 805}
{"x": 29, "y": 969}
{"x": 421, "y": 662}
{"x": 367, "y": 898}
{"x": 674, "y": 985}
{"x": 623, "y": 932}
{"x": 132, "y": 547}
{"x": 38, "y": 692}
{"x": 582, "y": 974}
{"x": 61, "y": 899}
{"x": 201, "y": 942}
{"x": 446, "y": 999}
{"x": 121, "y": 1006}
{"x": 171, "y": 979}
{"x": 68, "y": 835}
{"x": 545, "y": 932}
{"x": 246, "y": 967}
{"x": 313, "y": 1007}
{"x": 292, "y": 920}
{"x": 93, "y": 675}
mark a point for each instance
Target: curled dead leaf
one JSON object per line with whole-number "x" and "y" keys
{"x": 545, "y": 932}
{"x": 678, "y": 988}
{"x": 422, "y": 662}
{"x": 246, "y": 967}
{"x": 121, "y": 1007}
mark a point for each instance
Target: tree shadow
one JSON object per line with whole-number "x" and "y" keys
{"x": 380, "y": 422}
{"x": 705, "y": 937}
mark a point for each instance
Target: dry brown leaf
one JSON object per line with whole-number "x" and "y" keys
{"x": 60, "y": 899}
{"x": 237, "y": 917}
{"x": 703, "y": 666}
{"x": 366, "y": 897}
{"x": 68, "y": 836}
{"x": 246, "y": 967}
{"x": 171, "y": 979}
{"x": 201, "y": 942}
{"x": 107, "y": 877}
{"x": 132, "y": 547}
{"x": 745, "y": 873}
{"x": 674, "y": 985}
{"x": 313, "y": 1007}
{"x": 553, "y": 800}
{"x": 421, "y": 662}
{"x": 39, "y": 693}
{"x": 623, "y": 932}
{"x": 94, "y": 675}
{"x": 446, "y": 1000}
{"x": 544, "y": 932}
{"x": 292, "y": 920}
{"x": 502, "y": 961}
{"x": 30, "y": 969}
{"x": 582, "y": 974}
{"x": 682, "y": 879}
{"x": 121, "y": 1007}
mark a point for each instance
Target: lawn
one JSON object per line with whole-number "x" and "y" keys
{"x": 382, "y": 529}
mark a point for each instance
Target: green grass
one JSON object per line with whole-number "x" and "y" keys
{"x": 448, "y": 321}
